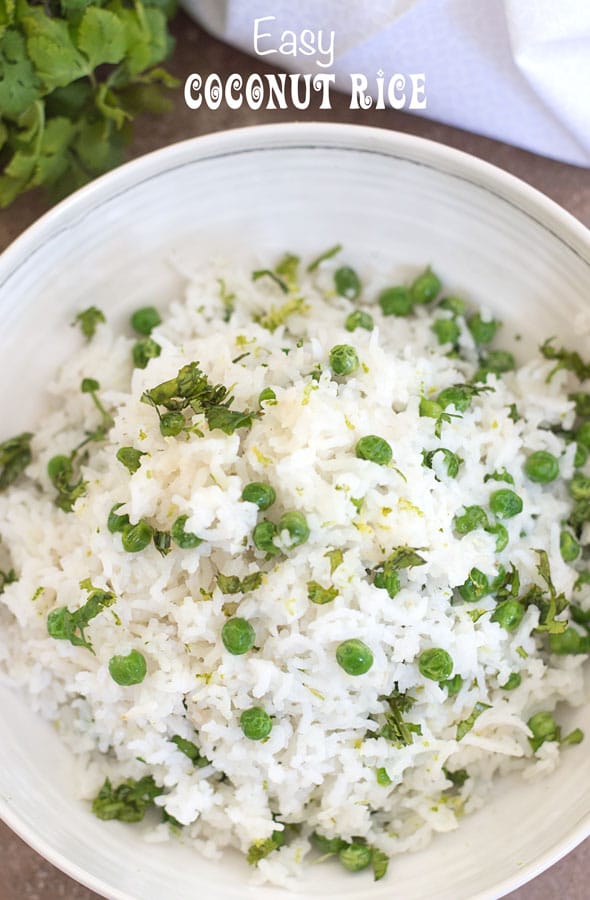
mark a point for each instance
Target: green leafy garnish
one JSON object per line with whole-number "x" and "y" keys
{"x": 191, "y": 750}
{"x": 320, "y": 595}
{"x": 328, "y": 254}
{"x": 130, "y": 458}
{"x": 500, "y": 475}
{"x": 450, "y": 459}
{"x": 128, "y": 802}
{"x": 467, "y": 724}
{"x": 386, "y": 574}
{"x": 91, "y": 386}
{"x": 73, "y": 76}
{"x": 15, "y": 456}
{"x": 566, "y": 359}
{"x": 69, "y": 626}
{"x": 227, "y": 298}
{"x": 191, "y": 389}
{"x": 61, "y": 474}
{"x": 231, "y": 584}
{"x": 550, "y": 604}
{"x": 396, "y": 730}
{"x": 457, "y": 778}
{"x": 379, "y": 862}
{"x": 7, "y": 578}
{"x": 88, "y": 320}
{"x": 262, "y": 848}
{"x": 336, "y": 558}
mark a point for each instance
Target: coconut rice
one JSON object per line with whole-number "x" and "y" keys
{"x": 330, "y": 765}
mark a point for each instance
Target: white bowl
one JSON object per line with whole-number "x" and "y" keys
{"x": 269, "y": 189}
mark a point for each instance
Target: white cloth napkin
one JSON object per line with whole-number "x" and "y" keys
{"x": 516, "y": 70}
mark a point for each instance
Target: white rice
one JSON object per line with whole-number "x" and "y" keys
{"x": 319, "y": 764}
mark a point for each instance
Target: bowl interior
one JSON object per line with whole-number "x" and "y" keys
{"x": 261, "y": 192}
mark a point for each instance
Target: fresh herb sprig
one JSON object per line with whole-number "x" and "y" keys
{"x": 191, "y": 389}
{"x": 15, "y": 456}
{"x": 128, "y": 802}
{"x": 70, "y": 626}
{"x": 73, "y": 76}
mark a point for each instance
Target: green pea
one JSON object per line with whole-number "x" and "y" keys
{"x": 501, "y": 535}
{"x": 186, "y": 540}
{"x": 144, "y": 350}
{"x": 359, "y": 319}
{"x": 267, "y": 395}
{"x": 343, "y": 359}
{"x": 569, "y": 547}
{"x": 130, "y": 458}
{"x": 374, "y": 449}
{"x": 354, "y": 657}
{"x": 347, "y": 283}
{"x": 172, "y": 423}
{"x": 238, "y": 636}
{"x": 472, "y": 518}
{"x": 581, "y": 456}
{"x": 583, "y": 435}
{"x": 261, "y": 494}
{"x": 435, "y": 664}
{"x": 263, "y": 537}
{"x": 505, "y": 503}
{"x": 514, "y": 681}
{"x": 475, "y": 587}
{"x": 544, "y": 728}
{"x": 144, "y": 320}
{"x": 508, "y": 614}
{"x": 425, "y": 287}
{"x": 541, "y": 466}
{"x": 255, "y": 723}
{"x": 137, "y": 537}
{"x": 446, "y": 330}
{"x": 454, "y": 304}
{"x": 355, "y": 857}
{"x": 395, "y": 301}
{"x": 116, "y": 523}
{"x": 296, "y": 525}
{"x": 483, "y": 331}
{"x": 580, "y": 486}
{"x": 569, "y": 642}
{"x": 128, "y": 670}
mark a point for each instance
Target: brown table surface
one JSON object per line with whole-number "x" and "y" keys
{"x": 24, "y": 874}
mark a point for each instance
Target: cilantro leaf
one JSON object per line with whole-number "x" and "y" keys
{"x": 566, "y": 359}
{"x": 69, "y": 626}
{"x": 260, "y": 849}
{"x": 128, "y": 802}
{"x": 51, "y": 49}
{"x": 101, "y": 37}
{"x": 15, "y": 456}
{"x": 19, "y": 84}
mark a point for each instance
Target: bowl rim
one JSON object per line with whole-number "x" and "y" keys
{"x": 295, "y": 135}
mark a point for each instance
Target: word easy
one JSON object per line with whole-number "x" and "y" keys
{"x": 291, "y": 43}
